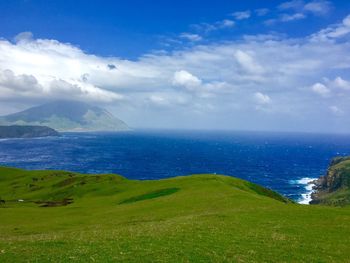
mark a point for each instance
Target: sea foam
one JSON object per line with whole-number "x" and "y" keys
{"x": 305, "y": 182}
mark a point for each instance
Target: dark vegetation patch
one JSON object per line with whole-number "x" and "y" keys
{"x": 35, "y": 188}
{"x": 64, "y": 202}
{"x": 267, "y": 192}
{"x": 150, "y": 195}
{"x": 66, "y": 182}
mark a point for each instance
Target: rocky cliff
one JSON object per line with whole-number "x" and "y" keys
{"x": 334, "y": 187}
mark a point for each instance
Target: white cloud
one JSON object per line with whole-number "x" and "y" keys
{"x": 21, "y": 82}
{"x": 242, "y": 15}
{"x": 301, "y": 10}
{"x": 247, "y": 62}
{"x": 159, "y": 100}
{"x": 262, "y": 11}
{"x": 341, "y": 83}
{"x": 47, "y": 68}
{"x": 261, "y": 98}
{"x": 218, "y": 25}
{"x": 333, "y": 32}
{"x": 226, "y": 23}
{"x": 197, "y": 86}
{"x": 320, "y": 89}
{"x": 336, "y": 110}
{"x": 185, "y": 79}
{"x": 24, "y": 36}
{"x": 318, "y": 7}
{"x": 294, "y": 4}
{"x": 292, "y": 17}
{"x": 191, "y": 37}
{"x": 331, "y": 87}
{"x": 23, "y": 85}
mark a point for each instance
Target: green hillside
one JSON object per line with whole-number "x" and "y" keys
{"x": 56, "y": 216}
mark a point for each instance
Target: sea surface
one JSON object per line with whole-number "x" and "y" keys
{"x": 284, "y": 162}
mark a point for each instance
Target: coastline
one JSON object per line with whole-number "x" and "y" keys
{"x": 308, "y": 183}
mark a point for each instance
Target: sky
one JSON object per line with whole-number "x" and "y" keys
{"x": 228, "y": 65}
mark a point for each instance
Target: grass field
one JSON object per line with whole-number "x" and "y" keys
{"x": 198, "y": 218}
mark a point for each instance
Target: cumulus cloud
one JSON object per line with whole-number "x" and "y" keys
{"x": 320, "y": 89}
{"x": 242, "y": 15}
{"x": 261, "y": 98}
{"x": 339, "y": 82}
{"x": 24, "y": 85}
{"x": 186, "y": 79}
{"x": 47, "y": 68}
{"x": 23, "y": 82}
{"x": 192, "y": 83}
{"x": 331, "y": 87}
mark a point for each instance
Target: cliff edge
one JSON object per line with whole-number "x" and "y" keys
{"x": 334, "y": 187}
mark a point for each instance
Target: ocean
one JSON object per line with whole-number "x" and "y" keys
{"x": 284, "y": 162}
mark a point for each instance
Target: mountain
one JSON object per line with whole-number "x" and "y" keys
{"x": 58, "y": 216}
{"x": 67, "y": 116}
{"x": 17, "y": 131}
{"x": 334, "y": 187}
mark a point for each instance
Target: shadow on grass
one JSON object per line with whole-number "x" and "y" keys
{"x": 150, "y": 195}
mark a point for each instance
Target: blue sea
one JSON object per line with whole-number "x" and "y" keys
{"x": 284, "y": 162}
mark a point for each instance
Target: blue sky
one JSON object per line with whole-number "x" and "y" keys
{"x": 256, "y": 65}
{"x": 129, "y": 29}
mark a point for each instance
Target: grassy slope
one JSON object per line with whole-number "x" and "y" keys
{"x": 200, "y": 218}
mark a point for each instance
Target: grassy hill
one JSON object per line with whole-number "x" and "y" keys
{"x": 56, "y": 216}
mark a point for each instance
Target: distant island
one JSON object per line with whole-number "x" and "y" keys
{"x": 64, "y": 116}
{"x": 17, "y": 131}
